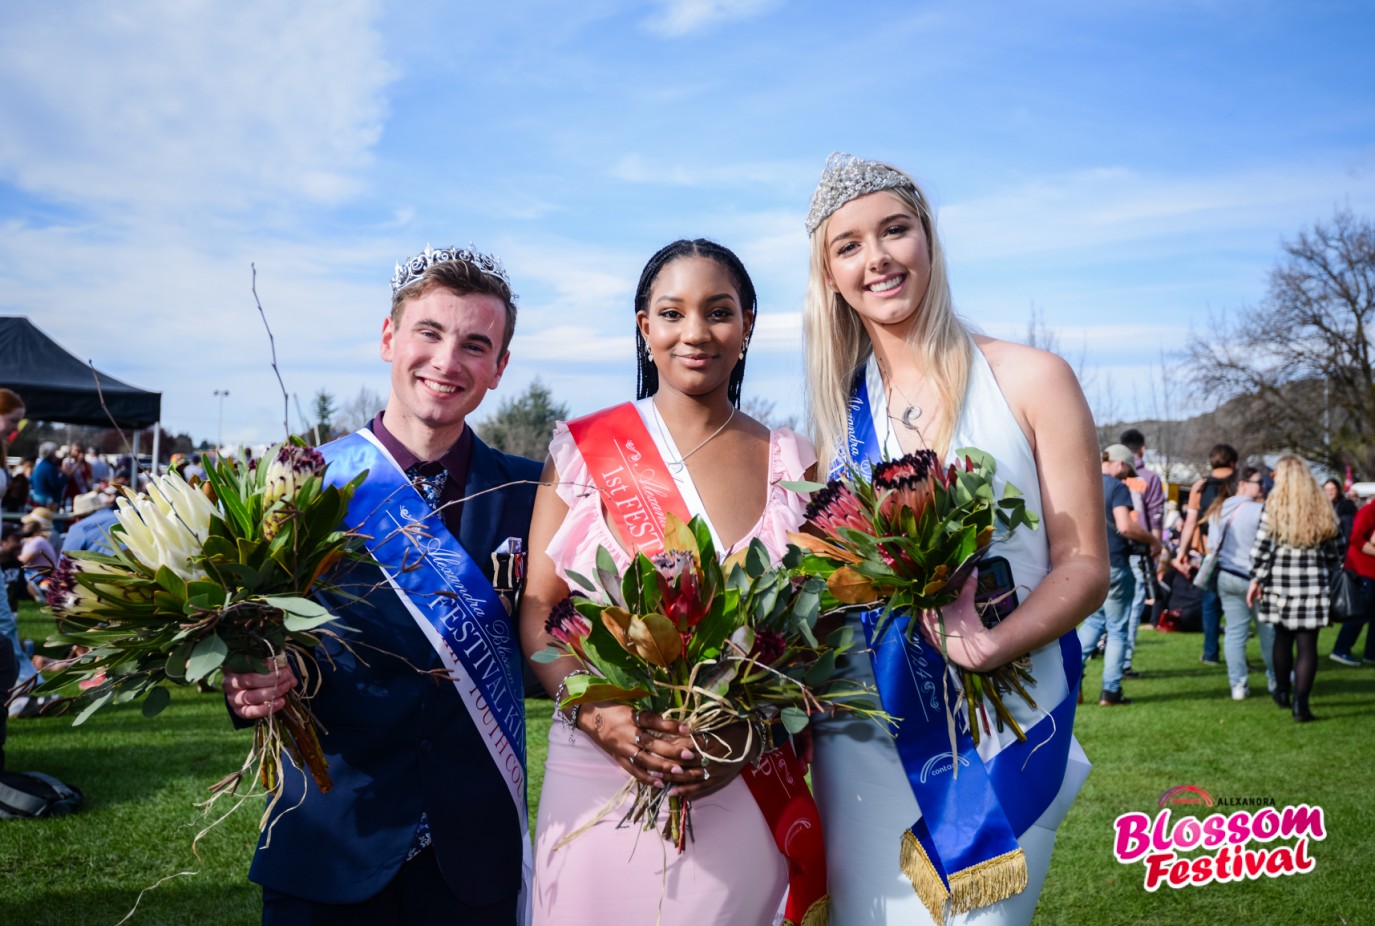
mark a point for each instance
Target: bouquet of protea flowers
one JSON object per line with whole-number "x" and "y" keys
{"x": 702, "y": 642}
{"x": 208, "y": 577}
{"x": 908, "y": 537}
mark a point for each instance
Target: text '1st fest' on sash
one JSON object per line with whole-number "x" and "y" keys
{"x": 637, "y": 492}
{"x": 963, "y": 850}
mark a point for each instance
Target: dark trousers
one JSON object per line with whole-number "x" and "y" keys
{"x": 1351, "y": 630}
{"x": 418, "y": 894}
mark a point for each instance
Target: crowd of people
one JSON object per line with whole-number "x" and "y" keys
{"x": 422, "y": 715}
{"x": 1255, "y": 550}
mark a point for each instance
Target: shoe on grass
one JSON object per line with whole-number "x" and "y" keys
{"x": 1344, "y": 659}
{"x": 1129, "y": 672}
{"x": 1112, "y": 698}
{"x": 1239, "y": 691}
{"x": 1209, "y": 662}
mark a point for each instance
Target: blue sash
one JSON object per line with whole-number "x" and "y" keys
{"x": 964, "y": 846}
{"x": 446, "y": 593}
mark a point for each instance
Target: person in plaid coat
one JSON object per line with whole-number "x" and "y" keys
{"x": 1296, "y": 549}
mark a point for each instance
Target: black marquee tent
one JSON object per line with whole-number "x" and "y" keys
{"x": 58, "y": 387}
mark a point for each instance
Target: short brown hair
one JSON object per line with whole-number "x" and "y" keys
{"x": 462, "y": 279}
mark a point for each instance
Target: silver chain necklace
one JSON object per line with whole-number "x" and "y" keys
{"x": 665, "y": 433}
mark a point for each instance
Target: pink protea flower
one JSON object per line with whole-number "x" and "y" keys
{"x": 566, "y": 625}
{"x": 837, "y": 506}
{"x": 680, "y": 588}
{"x": 909, "y": 482}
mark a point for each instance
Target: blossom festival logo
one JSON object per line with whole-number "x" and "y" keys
{"x": 1244, "y": 845}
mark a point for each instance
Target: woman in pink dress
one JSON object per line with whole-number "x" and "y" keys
{"x": 695, "y": 311}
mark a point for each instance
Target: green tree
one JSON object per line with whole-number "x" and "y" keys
{"x": 1302, "y": 362}
{"x": 325, "y": 410}
{"x": 523, "y": 425}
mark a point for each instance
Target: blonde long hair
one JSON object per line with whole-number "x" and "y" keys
{"x": 837, "y": 345}
{"x": 1298, "y": 512}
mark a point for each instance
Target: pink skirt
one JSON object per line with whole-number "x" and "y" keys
{"x": 731, "y": 873}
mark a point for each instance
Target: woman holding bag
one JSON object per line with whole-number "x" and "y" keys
{"x": 1297, "y": 547}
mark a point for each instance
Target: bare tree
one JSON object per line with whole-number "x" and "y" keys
{"x": 358, "y": 410}
{"x": 1301, "y": 360}
{"x": 765, "y": 412}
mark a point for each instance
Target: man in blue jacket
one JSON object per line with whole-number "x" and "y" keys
{"x": 420, "y": 697}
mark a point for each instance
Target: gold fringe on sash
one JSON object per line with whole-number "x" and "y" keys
{"x": 988, "y": 882}
{"x": 924, "y": 877}
{"x": 818, "y": 914}
{"x": 971, "y": 888}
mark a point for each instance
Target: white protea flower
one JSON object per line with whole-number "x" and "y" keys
{"x": 289, "y": 470}
{"x": 285, "y": 476}
{"x": 168, "y": 525}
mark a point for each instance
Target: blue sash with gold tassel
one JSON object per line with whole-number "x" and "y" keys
{"x": 963, "y": 850}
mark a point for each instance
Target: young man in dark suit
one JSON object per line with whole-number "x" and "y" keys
{"x": 420, "y": 696}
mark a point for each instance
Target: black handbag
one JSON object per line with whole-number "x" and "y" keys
{"x": 1349, "y": 598}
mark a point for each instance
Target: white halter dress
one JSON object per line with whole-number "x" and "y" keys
{"x": 861, "y": 789}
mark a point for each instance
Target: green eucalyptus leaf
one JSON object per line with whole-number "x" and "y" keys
{"x": 206, "y": 656}
{"x": 802, "y": 486}
{"x": 92, "y": 707}
{"x": 581, "y": 580}
{"x": 795, "y": 720}
{"x": 158, "y": 699}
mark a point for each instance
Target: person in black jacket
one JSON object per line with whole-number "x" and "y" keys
{"x": 420, "y": 698}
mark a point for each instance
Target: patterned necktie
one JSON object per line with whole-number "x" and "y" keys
{"x": 428, "y": 479}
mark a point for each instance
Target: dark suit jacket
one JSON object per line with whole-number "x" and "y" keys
{"x": 400, "y": 742}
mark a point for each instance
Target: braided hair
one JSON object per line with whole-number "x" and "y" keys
{"x": 647, "y": 375}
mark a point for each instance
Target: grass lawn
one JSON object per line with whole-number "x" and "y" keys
{"x": 143, "y": 777}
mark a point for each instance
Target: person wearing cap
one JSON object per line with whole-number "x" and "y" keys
{"x": 37, "y": 556}
{"x": 1112, "y": 618}
{"x": 95, "y": 515}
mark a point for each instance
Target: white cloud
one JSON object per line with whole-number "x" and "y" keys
{"x": 684, "y": 17}
{"x": 179, "y": 105}
{"x": 1096, "y": 209}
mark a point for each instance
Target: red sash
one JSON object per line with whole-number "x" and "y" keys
{"x": 636, "y": 486}
{"x": 637, "y": 492}
{"x": 780, "y": 789}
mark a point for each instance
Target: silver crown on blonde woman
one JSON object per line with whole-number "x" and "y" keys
{"x": 415, "y": 268}
{"x": 847, "y": 177}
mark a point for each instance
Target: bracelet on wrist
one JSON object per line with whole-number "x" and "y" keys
{"x": 569, "y": 720}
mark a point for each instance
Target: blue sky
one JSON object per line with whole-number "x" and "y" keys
{"x": 1127, "y": 169}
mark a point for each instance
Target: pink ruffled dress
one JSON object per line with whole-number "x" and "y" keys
{"x": 732, "y": 872}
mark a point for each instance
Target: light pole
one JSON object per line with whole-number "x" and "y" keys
{"x": 219, "y": 434}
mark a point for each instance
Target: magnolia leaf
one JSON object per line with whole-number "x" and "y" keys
{"x": 158, "y": 698}
{"x": 743, "y": 638}
{"x": 706, "y": 550}
{"x": 802, "y": 486}
{"x": 654, "y": 639}
{"x": 718, "y": 678}
{"x": 849, "y": 587}
{"x": 617, "y": 622}
{"x": 795, "y": 720}
{"x": 819, "y": 547}
{"x": 599, "y": 690}
{"x": 609, "y": 576}
{"x": 547, "y": 656}
{"x": 678, "y": 536}
{"x": 207, "y": 656}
